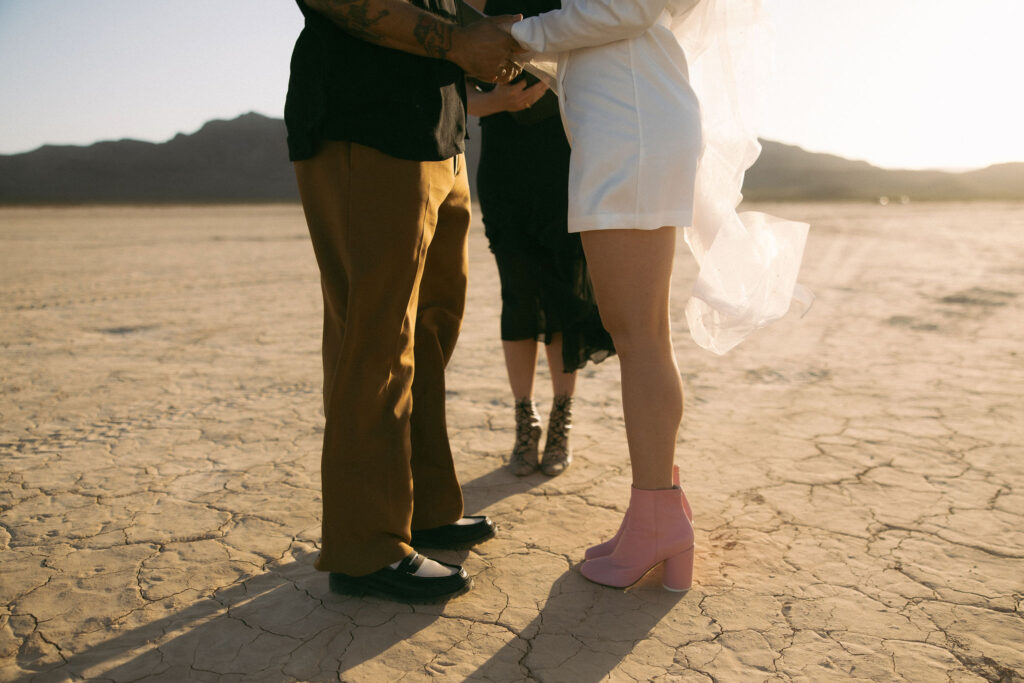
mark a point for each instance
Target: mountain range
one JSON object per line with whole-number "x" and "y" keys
{"x": 246, "y": 160}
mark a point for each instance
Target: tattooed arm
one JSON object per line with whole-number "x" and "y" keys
{"x": 481, "y": 49}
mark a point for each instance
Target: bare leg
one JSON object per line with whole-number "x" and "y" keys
{"x": 632, "y": 271}
{"x": 521, "y": 363}
{"x": 563, "y": 383}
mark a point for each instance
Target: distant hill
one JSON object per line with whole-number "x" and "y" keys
{"x": 788, "y": 173}
{"x": 246, "y": 159}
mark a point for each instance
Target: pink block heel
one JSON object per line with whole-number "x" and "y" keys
{"x": 655, "y": 531}
{"x": 606, "y": 548}
{"x": 678, "y": 574}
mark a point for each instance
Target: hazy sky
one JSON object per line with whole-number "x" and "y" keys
{"x": 908, "y": 83}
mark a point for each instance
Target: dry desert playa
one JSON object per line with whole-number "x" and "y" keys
{"x": 857, "y": 476}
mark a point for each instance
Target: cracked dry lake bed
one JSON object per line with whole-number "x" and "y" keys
{"x": 857, "y": 476}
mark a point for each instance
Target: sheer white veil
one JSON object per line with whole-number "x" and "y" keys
{"x": 748, "y": 261}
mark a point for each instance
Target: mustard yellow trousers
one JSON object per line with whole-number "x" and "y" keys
{"x": 390, "y": 238}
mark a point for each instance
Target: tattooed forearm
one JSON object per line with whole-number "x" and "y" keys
{"x": 355, "y": 17}
{"x": 435, "y": 36}
{"x": 400, "y": 25}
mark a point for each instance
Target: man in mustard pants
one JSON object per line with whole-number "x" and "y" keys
{"x": 376, "y": 121}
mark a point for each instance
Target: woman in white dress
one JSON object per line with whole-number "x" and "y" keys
{"x": 641, "y": 166}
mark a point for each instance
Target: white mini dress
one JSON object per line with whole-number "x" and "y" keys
{"x": 630, "y": 114}
{"x": 656, "y": 102}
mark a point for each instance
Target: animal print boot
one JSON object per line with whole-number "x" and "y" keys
{"x": 524, "y": 453}
{"x": 557, "y": 451}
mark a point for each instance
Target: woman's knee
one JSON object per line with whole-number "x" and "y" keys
{"x": 635, "y": 331}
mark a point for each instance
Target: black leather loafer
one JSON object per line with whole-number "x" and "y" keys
{"x": 402, "y": 584}
{"x": 455, "y": 536}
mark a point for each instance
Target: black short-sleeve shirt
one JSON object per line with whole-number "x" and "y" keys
{"x": 344, "y": 88}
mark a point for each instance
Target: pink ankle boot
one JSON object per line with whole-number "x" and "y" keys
{"x": 655, "y": 531}
{"x": 606, "y": 548}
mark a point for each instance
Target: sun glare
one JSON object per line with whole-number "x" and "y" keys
{"x": 900, "y": 83}
{"x": 908, "y": 83}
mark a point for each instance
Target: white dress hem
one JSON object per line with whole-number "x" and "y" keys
{"x": 630, "y": 221}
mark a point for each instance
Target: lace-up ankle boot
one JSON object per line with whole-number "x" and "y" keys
{"x": 524, "y": 453}
{"x": 557, "y": 451}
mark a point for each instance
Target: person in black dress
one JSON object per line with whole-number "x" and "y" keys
{"x": 546, "y": 296}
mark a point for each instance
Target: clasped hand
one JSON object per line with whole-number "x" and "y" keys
{"x": 487, "y": 51}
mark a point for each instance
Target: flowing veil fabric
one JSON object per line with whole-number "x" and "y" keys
{"x": 748, "y": 261}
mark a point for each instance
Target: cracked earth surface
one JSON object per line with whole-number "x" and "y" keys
{"x": 856, "y": 476}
